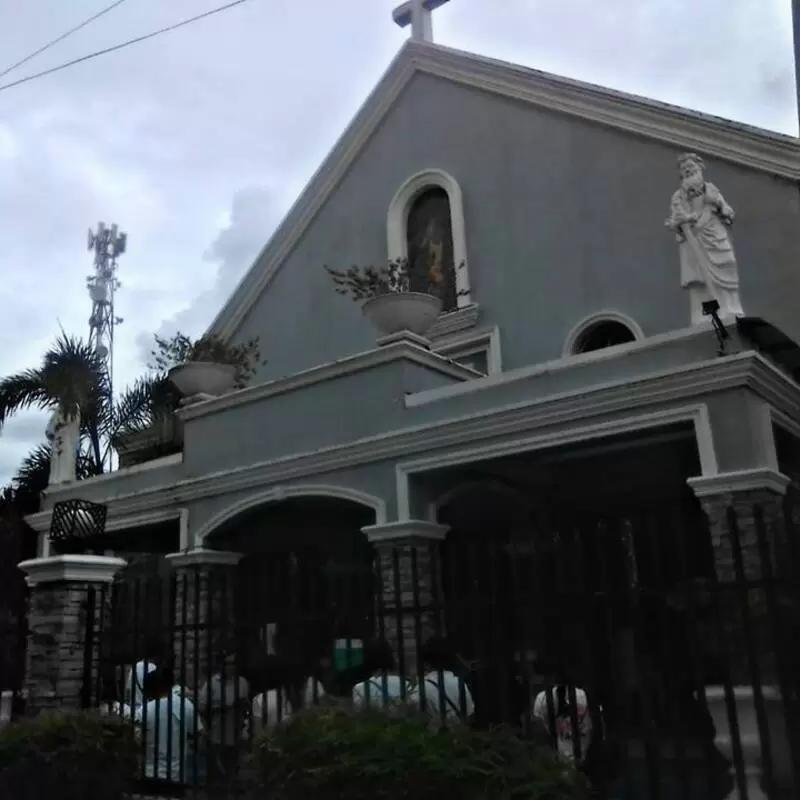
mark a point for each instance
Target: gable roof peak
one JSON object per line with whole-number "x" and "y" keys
{"x": 746, "y": 145}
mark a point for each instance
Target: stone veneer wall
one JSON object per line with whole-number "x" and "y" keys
{"x": 56, "y": 646}
{"x": 745, "y": 612}
{"x": 409, "y": 603}
{"x": 204, "y": 621}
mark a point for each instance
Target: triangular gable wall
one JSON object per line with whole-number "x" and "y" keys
{"x": 749, "y": 146}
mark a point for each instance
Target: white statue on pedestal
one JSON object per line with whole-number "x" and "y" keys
{"x": 700, "y": 218}
{"x": 64, "y": 433}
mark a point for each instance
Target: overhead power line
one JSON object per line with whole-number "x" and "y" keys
{"x": 115, "y": 47}
{"x": 62, "y": 37}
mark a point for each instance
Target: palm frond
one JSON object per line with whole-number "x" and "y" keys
{"x": 33, "y": 475}
{"x": 133, "y": 409}
{"x": 87, "y": 468}
{"x": 74, "y": 374}
{"x": 23, "y": 390}
{"x": 34, "y": 469}
{"x": 31, "y": 479}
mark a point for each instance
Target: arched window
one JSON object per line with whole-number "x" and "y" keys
{"x": 604, "y": 334}
{"x": 425, "y": 226}
{"x": 606, "y": 329}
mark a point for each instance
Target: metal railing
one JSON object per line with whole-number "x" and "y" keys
{"x": 664, "y": 659}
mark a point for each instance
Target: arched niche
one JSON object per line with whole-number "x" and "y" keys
{"x": 425, "y": 225}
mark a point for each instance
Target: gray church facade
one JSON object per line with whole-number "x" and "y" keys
{"x": 568, "y": 380}
{"x": 557, "y": 196}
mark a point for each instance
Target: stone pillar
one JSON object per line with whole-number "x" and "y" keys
{"x": 746, "y": 519}
{"x": 409, "y": 607}
{"x": 67, "y": 596}
{"x": 747, "y": 506}
{"x": 205, "y": 623}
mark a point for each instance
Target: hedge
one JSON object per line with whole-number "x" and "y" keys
{"x": 335, "y": 752}
{"x": 68, "y": 756}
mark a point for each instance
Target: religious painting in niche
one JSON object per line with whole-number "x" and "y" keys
{"x": 429, "y": 233}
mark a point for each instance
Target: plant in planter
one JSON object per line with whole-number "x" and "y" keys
{"x": 208, "y": 365}
{"x": 388, "y": 301}
{"x": 148, "y": 427}
{"x": 334, "y": 752}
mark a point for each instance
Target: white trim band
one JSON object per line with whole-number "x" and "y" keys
{"x": 406, "y": 529}
{"x": 592, "y": 407}
{"x": 741, "y": 480}
{"x": 71, "y": 569}
{"x": 400, "y": 350}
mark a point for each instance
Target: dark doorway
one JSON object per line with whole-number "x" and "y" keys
{"x": 578, "y": 572}
{"x": 305, "y": 580}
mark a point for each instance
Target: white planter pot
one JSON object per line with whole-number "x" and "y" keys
{"x": 403, "y": 311}
{"x": 203, "y": 377}
{"x": 750, "y": 736}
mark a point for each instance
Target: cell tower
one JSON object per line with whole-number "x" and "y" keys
{"x": 107, "y": 244}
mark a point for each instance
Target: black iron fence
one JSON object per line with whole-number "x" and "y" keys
{"x": 13, "y": 617}
{"x": 661, "y": 655}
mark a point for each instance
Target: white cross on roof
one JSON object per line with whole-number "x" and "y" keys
{"x": 417, "y": 14}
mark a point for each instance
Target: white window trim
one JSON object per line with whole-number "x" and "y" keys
{"x": 486, "y": 340}
{"x": 397, "y": 223}
{"x": 609, "y": 315}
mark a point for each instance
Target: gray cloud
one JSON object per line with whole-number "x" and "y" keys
{"x": 162, "y": 137}
{"x": 254, "y": 213}
{"x": 18, "y": 437}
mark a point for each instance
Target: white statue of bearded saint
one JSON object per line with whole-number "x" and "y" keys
{"x": 700, "y": 218}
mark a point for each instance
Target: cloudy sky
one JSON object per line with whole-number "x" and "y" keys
{"x": 196, "y": 142}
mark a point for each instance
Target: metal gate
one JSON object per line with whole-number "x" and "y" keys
{"x": 13, "y": 612}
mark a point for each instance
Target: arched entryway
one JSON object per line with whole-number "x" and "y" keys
{"x": 576, "y": 569}
{"x": 306, "y": 577}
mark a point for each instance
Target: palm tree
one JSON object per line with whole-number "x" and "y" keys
{"x": 73, "y": 378}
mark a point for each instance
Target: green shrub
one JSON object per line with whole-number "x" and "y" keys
{"x": 333, "y": 752}
{"x": 68, "y": 756}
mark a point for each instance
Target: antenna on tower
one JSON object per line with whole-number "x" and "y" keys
{"x": 108, "y": 244}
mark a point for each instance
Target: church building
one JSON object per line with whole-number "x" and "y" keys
{"x": 612, "y": 347}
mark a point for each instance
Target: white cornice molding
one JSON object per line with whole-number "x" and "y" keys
{"x": 742, "y": 480}
{"x": 577, "y": 407}
{"x": 467, "y": 342}
{"x": 453, "y": 321}
{"x": 411, "y": 529}
{"x": 713, "y": 375}
{"x": 200, "y": 557}
{"x": 545, "y": 438}
{"x": 560, "y": 364}
{"x": 71, "y": 569}
{"x": 40, "y": 522}
{"x": 401, "y": 350}
{"x": 157, "y": 463}
{"x": 736, "y": 142}
{"x": 687, "y": 130}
